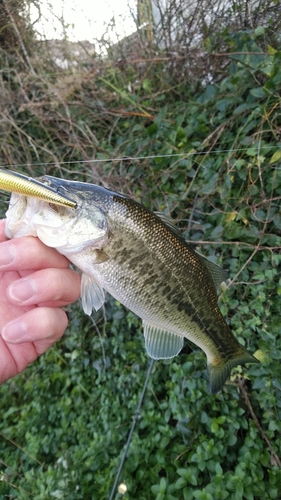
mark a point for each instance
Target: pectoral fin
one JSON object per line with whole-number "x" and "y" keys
{"x": 161, "y": 344}
{"x": 92, "y": 294}
{"x": 99, "y": 256}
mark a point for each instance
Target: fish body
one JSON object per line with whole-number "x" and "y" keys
{"x": 142, "y": 260}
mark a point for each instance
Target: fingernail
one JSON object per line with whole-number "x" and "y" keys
{"x": 14, "y": 332}
{"x": 22, "y": 290}
{"x": 7, "y": 254}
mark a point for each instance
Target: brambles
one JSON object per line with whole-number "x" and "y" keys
{"x": 210, "y": 159}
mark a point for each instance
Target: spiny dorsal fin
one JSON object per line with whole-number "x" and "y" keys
{"x": 161, "y": 344}
{"x": 219, "y": 275}
{"x": 169, "y": 222}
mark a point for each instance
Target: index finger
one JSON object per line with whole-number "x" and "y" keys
{"x": 29, "y": 253}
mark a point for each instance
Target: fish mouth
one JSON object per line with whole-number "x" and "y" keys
{"x": 15, "y": 182}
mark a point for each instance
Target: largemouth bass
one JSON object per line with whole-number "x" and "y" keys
{"x": 142, "y": 260}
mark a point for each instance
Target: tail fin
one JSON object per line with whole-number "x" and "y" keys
{"x": 219, "y": 370}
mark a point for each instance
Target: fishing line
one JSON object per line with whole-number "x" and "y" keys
{"x": 134, "y": 158}
{"x": 149, "y": 157}
{"x": 131, "y": 430}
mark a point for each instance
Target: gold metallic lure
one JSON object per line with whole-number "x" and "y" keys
{"x": 21, "y": 184}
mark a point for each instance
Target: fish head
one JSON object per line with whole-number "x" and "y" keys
{"x": 69, "y": 231}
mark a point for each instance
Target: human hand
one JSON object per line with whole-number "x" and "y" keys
{"x": 35, "y": 283}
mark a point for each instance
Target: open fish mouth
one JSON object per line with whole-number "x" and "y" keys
{"x": 15, "y": 182}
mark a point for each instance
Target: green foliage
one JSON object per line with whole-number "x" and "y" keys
{"x": 212, "y": 160}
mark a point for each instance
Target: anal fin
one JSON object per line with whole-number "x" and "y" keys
{"x": 161, "y": 344}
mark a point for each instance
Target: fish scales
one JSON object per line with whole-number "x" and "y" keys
{"x": 173, "y": 263}
{"x": 141, "y": 259}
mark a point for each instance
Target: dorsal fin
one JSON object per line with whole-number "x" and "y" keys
{"x": 219, "y": 275}
{"x": 169, "y": 222}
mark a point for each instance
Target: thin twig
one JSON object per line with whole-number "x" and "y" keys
{"x": 222, "y": 54}
{"x": 132, "y": 430}
{"x": 275, "y": 460}
{"x": 6, "y": 6}
{"x": 22, "y": 449}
